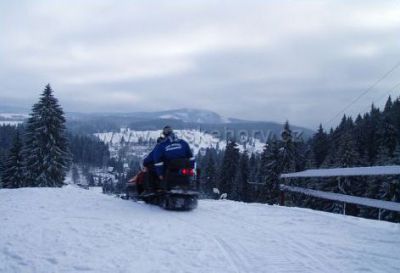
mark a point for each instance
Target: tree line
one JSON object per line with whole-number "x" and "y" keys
{"x": 251, "y": 177}
{"x": 371, "y": 139}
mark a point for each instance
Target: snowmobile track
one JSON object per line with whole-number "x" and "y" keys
{"x": 229, "y": 254}
{"x": 70, "y": 229}
{"x": 236, "y": 259}
{"x": 291, "y": 244}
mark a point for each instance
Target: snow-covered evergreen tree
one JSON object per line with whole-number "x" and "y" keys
{"x": 271, "y": 168}
{"x": 2, "y": 162}
{"x": 388, "y": 136}
{"x": 240, "y": 190}
{"x": 13, "y": 172}
{"x": 228, "y": 168}
{"x": 361, "y": 139}
{"x": 209, "y": 172}
{"x": 320, "y": 147}
{"x": 390, "y": 191}
{"x": 372, "y": 133}
{"x": 46, "y": 152}
{"x": 75, "y": 174}
{"x": 287, "y": 150}
{"x": 346, "y": 152}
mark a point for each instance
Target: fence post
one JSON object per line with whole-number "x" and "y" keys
{"x": 344, "y": 208}
{"x": 379, "y": 214}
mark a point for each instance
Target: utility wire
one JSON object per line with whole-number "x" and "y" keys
{"x": 383, "y": 96}
{"x": 366, "y": 91}
{"x": 380, "y": 98}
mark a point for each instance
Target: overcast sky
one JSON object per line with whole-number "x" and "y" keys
{"x": 260, "y": 60}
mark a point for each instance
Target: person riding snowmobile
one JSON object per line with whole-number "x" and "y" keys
{"x": 169, "y": 175}
{"x": 170, "y": 149}
{"x": 148, "y": 160}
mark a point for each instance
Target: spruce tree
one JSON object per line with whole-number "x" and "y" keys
{"x": 388, "y": 136}
{"x": 228, "y": 168}
{"x": 13, "y": 173}
{"x": 301, "y": 153}
{"x": 2, "y": 162}
{"x": 389, "y": 188}
{"x": 361, "y": 139}
{"x": 271, "y": 168}
{"x": 388, "y": 105}
{"x": 46, "y": 152}
{"x": 287, "y": 150}
{"x": 372, "y": 133}
{"x": 390, "y": 191}
{"x": 394, "y": 114}
{"x": 241, "y": 187}
{"x": 209, "y": 172}
{"x": 347, "y": 152}
{"x": 320, "y": 147}
{"x": 254, "y": 177}
{"x": 348, "y": 157}
{"x": 255, "y": 168}
{"x": 75, "y": 175}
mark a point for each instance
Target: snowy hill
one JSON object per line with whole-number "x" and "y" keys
{"x": 73, "y": 230}
{"x": 140, "y": 143}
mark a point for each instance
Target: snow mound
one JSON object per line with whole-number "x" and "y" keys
{"x": 73, "y": 230}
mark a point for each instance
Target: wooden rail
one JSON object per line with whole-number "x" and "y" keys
{"x": 363, "y": 201}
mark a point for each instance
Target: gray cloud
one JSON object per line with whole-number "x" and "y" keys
{"x": 260, "y": 60}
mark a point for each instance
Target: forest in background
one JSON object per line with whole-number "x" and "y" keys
{"x": 368, "y": 140}
{"x": 371, "y": 139}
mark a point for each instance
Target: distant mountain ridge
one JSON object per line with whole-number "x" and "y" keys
{"x": 190, "y": 115}
{"x": 180, "y": 119}
{"x": 183, "y": 114}
{"x": 183, "y": 118}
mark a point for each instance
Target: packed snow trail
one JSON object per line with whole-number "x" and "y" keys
{"x": 73, "y": 230}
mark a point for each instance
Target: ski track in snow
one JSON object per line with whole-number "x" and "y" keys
{"x": 73, "y": 230}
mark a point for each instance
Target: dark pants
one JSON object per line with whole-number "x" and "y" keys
{"x": 151, "y": 181}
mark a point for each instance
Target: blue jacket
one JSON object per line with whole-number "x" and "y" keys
{"x": 170, "y": 149}
{"x": 148, "y": 160}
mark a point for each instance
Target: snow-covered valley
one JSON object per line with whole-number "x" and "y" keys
{"x": 12, "y": 119}
{"x": 74, "y": 230}
{"x": 141, "y": 142}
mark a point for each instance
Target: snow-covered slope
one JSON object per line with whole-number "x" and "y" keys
{"x": 73, "y": 230}
{"x": 12, "y": 118}
{"x": 9, "y": 122}
{"x": 141, "y": 142}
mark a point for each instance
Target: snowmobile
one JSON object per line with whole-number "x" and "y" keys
{"x": 177, "y": 191}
